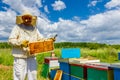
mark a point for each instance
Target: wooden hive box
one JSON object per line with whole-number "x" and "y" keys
{"x": 41, "y": 46}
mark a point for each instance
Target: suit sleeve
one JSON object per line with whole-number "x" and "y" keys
{"x": 39, "y": 36}
{"x": 14, "y": 37}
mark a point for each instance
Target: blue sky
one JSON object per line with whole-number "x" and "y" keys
{"x": 73, "y": 20}
{"x": 80, "y": 8}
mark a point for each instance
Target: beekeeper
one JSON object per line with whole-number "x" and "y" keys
{"x": 24, "y": 32}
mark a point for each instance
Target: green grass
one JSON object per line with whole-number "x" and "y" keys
{"x": 6, "y": 57}
{"x": 109, "y": 55}
{"x": 6, "y": 73}
{"x": 6, "y": 61}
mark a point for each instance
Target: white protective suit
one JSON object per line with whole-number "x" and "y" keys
{"x": 23, "y": 62}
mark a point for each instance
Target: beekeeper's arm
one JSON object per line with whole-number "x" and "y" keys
{"x": 39, "y": 36}
{"x": 14, "y": 37}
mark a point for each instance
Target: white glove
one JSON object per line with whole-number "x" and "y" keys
{"x": 53, "y": 39}
{"x": 26, "y": 49}
{"x": 14, "y": 42}
{"x": 24, "y": 43}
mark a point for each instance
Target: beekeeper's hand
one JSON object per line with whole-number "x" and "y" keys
{"x": 40, "y": 39}
{"x": 24, "y": 43}
{"x": 53, "y": 39}
{"x": 26, "y": 49}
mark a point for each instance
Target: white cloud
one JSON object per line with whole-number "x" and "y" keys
{"x": 38, "y": 2}
{"x": 21, "y": 5}
{"x": 103, "y": 27}
{"x": 66, "y": 29}
{"x": 46, "y": 9}
{"x": 8, "y": 17}
{"x": 4, "y": 34}
{"x": 59, "y": 5}
{"x": 76, "y": 18}
{"x": 7, "y": 20}
{"x": 113, "y": 4}
{"x": 92, "y": 3}
{"x": 2, "y": 28}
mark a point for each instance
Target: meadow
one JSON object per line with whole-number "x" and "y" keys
{"x": 105, "y": 54}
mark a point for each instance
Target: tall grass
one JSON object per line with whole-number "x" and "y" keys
{"x": 6, "y": 57}
{"x": 6, "y": 61}
{"x": 6, "y": 72}
{"x": 109, "y": 55}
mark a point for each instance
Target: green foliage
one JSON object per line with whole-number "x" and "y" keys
{"x": 6, "y": 73}
{"x": 6, "y": 57}
{"x": 80, "y": 44}
{"x": 4, "y": 45}
{"x": 90, "y": 45}
{"x": 1, "y": 60}
{"x": 105, "y": 54}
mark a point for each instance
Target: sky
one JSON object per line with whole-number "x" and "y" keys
{"x": 72, "y": 20}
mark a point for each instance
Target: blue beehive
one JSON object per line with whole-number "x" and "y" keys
{"x": 65, "y": 67}
{"x": 70, "y": 53}
{"x": 116, "y": 71}
{"x": 52, "y": 74}
{"x": 69, "y": 77}
{"x": 74, "y": 78}
{"x": 65, "y": 76}
{"x": 119, "y": 56}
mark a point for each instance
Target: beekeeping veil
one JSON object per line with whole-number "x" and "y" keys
{"x": 20, "y": 21}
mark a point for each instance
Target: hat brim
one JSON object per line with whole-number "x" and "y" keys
{"x": 19, "y": 20}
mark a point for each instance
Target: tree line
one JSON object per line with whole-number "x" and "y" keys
{"x": 4, "y": 45}
{"x": 90, "y": 45}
